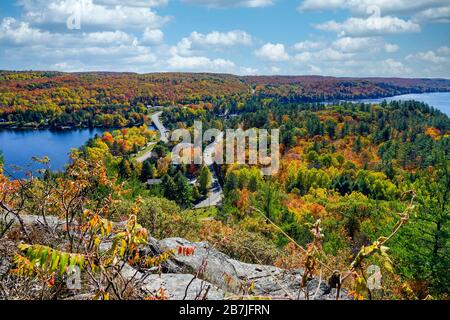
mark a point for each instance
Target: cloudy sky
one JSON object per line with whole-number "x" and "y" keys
{"x": 409, "y": 38}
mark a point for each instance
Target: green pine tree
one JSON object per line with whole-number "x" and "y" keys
{"x": 205, "y": 180}
{"x": 183, "y": 190}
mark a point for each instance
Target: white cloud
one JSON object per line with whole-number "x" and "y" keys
{"x": 104, "y": 50}
{"x": 438, "y": 15}
{"x": 200, "y": 63}
{"x": 324, "y": 55}
{"x": 247, "y": 71}
{"x": 431, "y": 11}
{"x": 272, "y": 52}
{"x": 360, "y": 6}
{"x": 390, "y": 67}
{"x": 390, "y": 48}
{"x": 364, "y": 44}
{"x": 231, "y": 3}
{"x": 445, "y": 51}
{"x": 440, "y": 56}
{"x": 371, "y": 26}
{"x": 220, "y": 39}
{"x": 135, "y": 3}
{"x": 105, "y": 37}
{"x": 211, "y": 41}
{"x": 309, "y": 45}
{"x": 20, "y": 33}
{"x": 303, "y": 57}
{"x": 274, "y": 70}
{"x": 348, "y": 44}
{"x": 92, "y": 13}
{"x": 152, "y": 36}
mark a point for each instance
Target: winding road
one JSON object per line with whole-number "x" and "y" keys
{"x": 216, "y": 193}
{"x": 164, "y": 136}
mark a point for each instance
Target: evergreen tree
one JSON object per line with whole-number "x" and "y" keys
{"x": 169, "y": 188}
{"x": 427, "y": 257}
{"x": 196, "y": 194}
{"x": 147, "y": 172}
{"x": 358, "y": 145}
{"x": 115, "y": 149}
{"x": 253, "y": 184}
{"x": 231, "y": 182}
{"x": 125, "y": 170}
{"x": 331, "y": 128}
{"x": 205, "y": 180}
{"x": 269, "y": 200}
{"x": 183, "y": 190}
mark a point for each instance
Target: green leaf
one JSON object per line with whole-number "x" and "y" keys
{"x": 63, "y": 262}
{"x": 54, "y": 262}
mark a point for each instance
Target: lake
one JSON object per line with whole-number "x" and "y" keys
{"x": 439, "y": 100}
{"x": 19, "y": 146}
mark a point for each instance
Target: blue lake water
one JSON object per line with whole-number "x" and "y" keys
{"x": 20, "y": 146}
{"x": 439, "y": 100}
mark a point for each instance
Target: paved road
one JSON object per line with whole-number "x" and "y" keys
{"x": 162, "y": 130}
{"x": 146, "y": 155}
{"x": 216, "y": 193}
{"x": 215, "y": 196}
{"x": 164, "y": 133}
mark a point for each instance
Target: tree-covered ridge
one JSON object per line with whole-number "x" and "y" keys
{"x": 55, "y": 99}
{"x": 318, "y": 88}
{"x": 104, "y": 99}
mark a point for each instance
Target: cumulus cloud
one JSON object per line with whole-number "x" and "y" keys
{"x": 231, "y": 3}
{"x": 390, "y": 48}
{"x": 360, "y": 6}
{"x": 364, "y": 44}
{"x": 92, "y": 13}
{"x": 272, "y": 52}
{"x": 248, "y": 71}
{"x": 227, "y": 39}
{"x": 437, "y": 15}
{"x": 349, "y": 56}
{"x": 309, "y": 45}
{"x": 274, "y": 70}
{"x": 200, "y": 63}
{"x": 328, "y": 54}
{"x": 431, "y": 11}
{"x": 440, "y": 56}
{"x": 20, "y": 33}
{"x": 135, "y": 3}
{"x": 390, "y": 67}
{"x": 152, "y": 36}
{"x": 374, "y": 25}
{"x": 33, "y": 48}
{"x": 211, "y": 41}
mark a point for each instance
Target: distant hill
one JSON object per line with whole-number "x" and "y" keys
{"x": 57, "y": 99}
{"x": 318, "y": 88}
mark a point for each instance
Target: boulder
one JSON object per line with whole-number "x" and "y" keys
{"x": 177, "y": 286}
{"x": 238, "y": 277}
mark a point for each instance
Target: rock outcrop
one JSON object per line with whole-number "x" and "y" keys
{"x": 208, "y": 273}
{"x": 213, "y": 275}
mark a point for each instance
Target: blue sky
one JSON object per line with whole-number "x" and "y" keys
{"x": 407, "y": 38}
